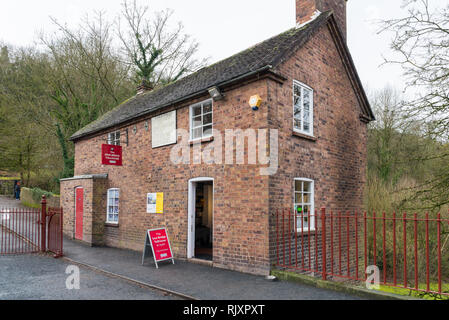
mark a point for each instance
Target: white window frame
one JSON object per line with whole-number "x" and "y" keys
{"x": 192, "y": 128}
{"x": 107, "y": 206}
{"x": 303, "y": 87}
{"x": 112, "y": 138}
{"x": 311, "y": 204}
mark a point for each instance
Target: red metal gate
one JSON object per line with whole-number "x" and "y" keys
{"x": 20, "y": 231}
{"x": 31, "y": 230}
{"x": 54, "y": 231}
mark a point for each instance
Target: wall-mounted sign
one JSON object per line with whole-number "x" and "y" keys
{"x": 163, "y": 130}
{"x": 111, "y": 155}
{"x": 158, "y": 240}
{"x": 155, "y": 202}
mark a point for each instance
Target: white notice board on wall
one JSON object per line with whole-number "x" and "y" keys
{"x": 163, "y": 129}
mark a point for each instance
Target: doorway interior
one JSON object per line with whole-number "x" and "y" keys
{"x": 201, "y": 220}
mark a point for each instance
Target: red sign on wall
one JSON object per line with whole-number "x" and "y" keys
{"x": 111, "y": 155}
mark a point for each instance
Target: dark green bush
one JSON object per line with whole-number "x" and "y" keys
{"x": 37, "y": 194}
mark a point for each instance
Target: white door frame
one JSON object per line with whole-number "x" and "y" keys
{"x": 191, "y": 214}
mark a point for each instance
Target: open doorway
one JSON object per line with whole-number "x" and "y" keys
{"x": 201, "y": 219}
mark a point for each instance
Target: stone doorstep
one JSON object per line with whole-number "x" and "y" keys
{"x": 337, "y": 286}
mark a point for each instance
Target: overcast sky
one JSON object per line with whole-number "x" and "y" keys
{"x": 221, "y": 27}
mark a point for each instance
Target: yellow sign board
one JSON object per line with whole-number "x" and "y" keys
{"x": 160, "y": 203}
{"x": 155, "y": 202}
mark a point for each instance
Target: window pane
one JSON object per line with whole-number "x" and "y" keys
{"x": 298, "y": 197}
{"x": 297, "y": 102}
{"x": 306, "y": 127}
{"x": 297, "y": 113}
{"x": 197, "y": 133}
{"x": 298, "y": 185}
{"x": 305, "y": 223}
{"x": 307, "y": 186}
{"x": 306, "y": 198}
{"x": 196, "y": 111}
{"x": 307, "y": 95}
{"x": 297, "y": 124}
{"x": 207, "y": 107}
{"x": 207, "y": 131}
{"x": 207, "y": 119}
{"x": 299, "y": 222}
{"x": 297, "y": 90}
{"x": 196, "y": 122}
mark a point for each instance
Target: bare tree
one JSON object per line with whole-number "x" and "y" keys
{"x": 421, "y": 44}
{"x": 88, "y": 79}
{"x": 160, "y": 54}
{"x": 421, "y": 47}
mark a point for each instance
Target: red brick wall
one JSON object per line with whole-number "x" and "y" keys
{"x": 94, "y": 214}
{"x": 240, "y": 225}
{"x": 336, "y": 161}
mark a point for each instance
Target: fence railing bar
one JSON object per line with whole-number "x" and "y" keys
{"x": 356, "y": 246}
{"x": 395, "y": 281}
{"x": 384, "y": 249}
{"x": 332, "y": 242}
{"x": 405, "y": 249}
{"x": 348, "y": 249}
{"x": 366, "y": 245}
{"x": 416, "y": 251}
{"x": 427, "y": 254}
{"x": 308, "y": 227}
{"x": 439, "y": 252}
{"x": 339, "y": 243}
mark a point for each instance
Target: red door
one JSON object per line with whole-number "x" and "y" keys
{"x": 79, "y": 208}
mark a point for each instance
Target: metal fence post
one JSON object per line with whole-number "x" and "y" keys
{"x": 323, "y": 242}
{"x": 43, "y": 223}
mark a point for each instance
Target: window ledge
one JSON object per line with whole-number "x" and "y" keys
{"x": 111, "y": 225}
{"x": 300, "y": 234}
{"x": 304, "y": 136}
{"x": 203, "y": 140}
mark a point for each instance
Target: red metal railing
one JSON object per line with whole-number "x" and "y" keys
{"x": 411, "y": 251}
{"x": 30, "y": 231}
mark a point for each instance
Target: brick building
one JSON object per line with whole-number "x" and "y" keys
{"x": 312, "y": 105}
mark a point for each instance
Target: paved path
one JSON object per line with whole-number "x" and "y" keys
{"x": 43, "y": 277}
{"x": 198, "y": 281}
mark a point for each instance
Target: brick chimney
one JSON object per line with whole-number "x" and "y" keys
{"x": 144, "y": 87}
{"x": 305, "y": 9}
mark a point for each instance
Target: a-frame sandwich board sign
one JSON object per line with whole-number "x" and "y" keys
{"x": 158, "y": 240}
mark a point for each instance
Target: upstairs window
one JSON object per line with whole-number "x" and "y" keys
{"x": 201, "y": 117}
{"x": 302, "y": 108}
{"x": 113, "y": 206}
{"x": 304, "y": 205}
{"x": 114, "y": 138}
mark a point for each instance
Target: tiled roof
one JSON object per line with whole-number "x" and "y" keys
{"x": 265, "y": 55}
